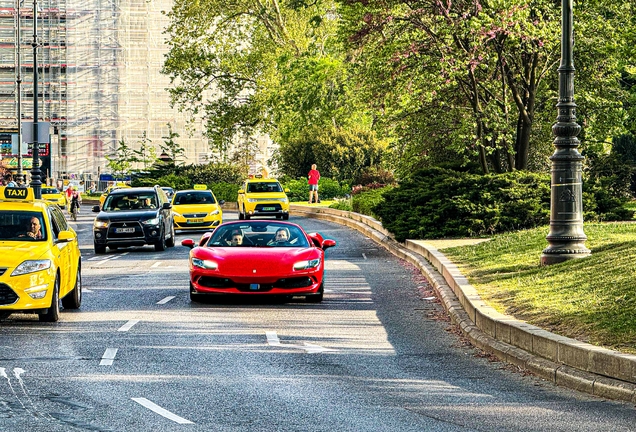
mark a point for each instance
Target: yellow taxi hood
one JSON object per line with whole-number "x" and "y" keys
{"x": 195, "y": 208}
{"x": 14, "y": 252}
{"x": 266, "y": 195}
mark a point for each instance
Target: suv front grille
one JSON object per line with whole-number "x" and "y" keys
{"x": 7, "y": 295}
{"x": 115, "y": 226}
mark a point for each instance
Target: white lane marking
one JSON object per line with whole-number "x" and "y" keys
{"x": 157, "y": 264}
{"x": 161, "y": 411}
{"x": 364, "y": 256}
{"x": 100, "y": 260}
{"x": 3, "y": 374}
{"x": 108, "y": 357}
{"x": 128, "y": 325}
{"x": 165, "y": 300}
{"x": 273, "y": 340}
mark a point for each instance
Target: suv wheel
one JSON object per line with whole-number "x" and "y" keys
{"x": 100, "y": 249}
{"x": 170, "y": 241}
{"x": 161, "y": 244}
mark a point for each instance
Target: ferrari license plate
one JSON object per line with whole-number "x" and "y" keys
{"x": 124, "y": 230}
{"x": 269, "y": 208}
{"x": 195, "y": 220}
{"x": 254, "y": 287}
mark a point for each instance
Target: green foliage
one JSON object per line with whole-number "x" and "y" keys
{"x": 341, "y": 154}
{"x": 171, "y": 147}
{"x": 341, "y": 204}
{"x": 327, "y": 189}
{"x": 227, "y": 192}
{"x": 121, "y": 162}
{"x": 365, "y": 201}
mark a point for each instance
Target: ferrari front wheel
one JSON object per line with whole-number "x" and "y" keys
{"x": 316, "y": 298}
{"x": 194, "y": 296}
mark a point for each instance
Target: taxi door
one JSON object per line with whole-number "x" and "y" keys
{"x": 67, "y": 259}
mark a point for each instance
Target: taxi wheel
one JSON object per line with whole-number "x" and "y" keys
{"x": 52, "y": 314}
{"x": 100, "y": 249}
{"x": 5, "y": 315}
{"x": 73, "y": 300}
{"x": 286, "y": 216}
{"x": 241, "y": 215}
{"x": 316, "y": 298}
{"x": 161, "y": 244}
{"x": 170, "y": 241}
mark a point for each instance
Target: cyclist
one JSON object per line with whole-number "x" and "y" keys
{"x": 74, "y": 205}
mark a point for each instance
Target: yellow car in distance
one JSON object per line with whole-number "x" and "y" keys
{"x": 260, "y": 196}
{"x": 41, "y": 260}
{"x": 196, "y": 209}
{"x": 108, "y": 190}
{"x": 53, "y": 195}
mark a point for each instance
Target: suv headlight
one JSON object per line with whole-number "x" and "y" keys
{"x": 283, "y": 200}
{"x": 153, "y": 221}
{"x": 252, "y": 200}
{"x": 31, "y": 266}
{"x": 100, "y": 224}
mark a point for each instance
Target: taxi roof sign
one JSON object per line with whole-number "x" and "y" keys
{"x": 200, "y": 187}
{"x": 16, "y": 194}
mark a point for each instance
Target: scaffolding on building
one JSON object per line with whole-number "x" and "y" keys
{"x": 100, "y": 80}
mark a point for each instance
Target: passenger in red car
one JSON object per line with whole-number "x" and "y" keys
{"x": 236, "y": 239}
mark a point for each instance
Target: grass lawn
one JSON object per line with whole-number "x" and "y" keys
{"x": 591, "y": 299}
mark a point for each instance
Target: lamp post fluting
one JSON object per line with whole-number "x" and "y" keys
{"x": 566, "y": 239}
{"x": 36, "y": 182}
{"x": 18, "y": 82}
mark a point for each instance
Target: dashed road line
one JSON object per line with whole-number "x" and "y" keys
{"x": 108, "y": 357}
{"x": 128, "y": 325}
{"x": 161, "y": 411}
{"x": 165, "y": 300}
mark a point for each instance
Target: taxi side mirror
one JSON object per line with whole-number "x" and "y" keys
{"x": 286, "y": 190}
{"x": 222, "y": 202}
{"x": 241, "y": 191}
{"x": 96, "y": 209}
{"x": 65, "y": 236}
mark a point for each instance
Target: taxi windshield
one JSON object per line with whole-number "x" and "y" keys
{"x": 188, "y": 198}
{"x": 49, "y": 191}
{"x": 263, "y": 187}
{"x": 258, "y": 234}
{"x": 21, "y": 226}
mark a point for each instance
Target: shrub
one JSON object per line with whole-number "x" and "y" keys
{"x": 327, "y": 189}
{"x": 365, "y": 201}
{"x": 225, "y": 191}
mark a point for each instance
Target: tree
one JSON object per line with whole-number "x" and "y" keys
{"x": 171, "y": 147}
{"x": 147, "y": 154}
{"x": 480, "y": 78}
{"x": 122, "y": 160}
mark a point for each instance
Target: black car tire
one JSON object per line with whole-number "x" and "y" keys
{"x": 316, "y": 298}
{"x": 52, "y": 314}
{"x": 73, "y": 300}
{"x": 100, "y": 249}
{"x": 194, "y": 296}
{"x": 286, "y": 216}
{"x": 241, "y": 215}
{"x": 160, "y": 246}
{"x": 5, "y": 315}
{"x": 113, "y": 248}
{"x": 170, "y": 241}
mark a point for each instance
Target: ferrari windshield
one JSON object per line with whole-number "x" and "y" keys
{"x": 258, "y": 234}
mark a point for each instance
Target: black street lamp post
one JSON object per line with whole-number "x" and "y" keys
{"x": 36, "y": 182}
{"x": 566, "y": 239}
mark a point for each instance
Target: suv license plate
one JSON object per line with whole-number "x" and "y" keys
{"x": 124, "y": 230}
{"x": 269, "y": 208}
{"x": 195, "y": 220}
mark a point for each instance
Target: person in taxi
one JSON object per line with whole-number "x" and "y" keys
{"x": 33, "y": 229}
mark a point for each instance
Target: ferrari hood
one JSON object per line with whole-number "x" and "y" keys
{"x": 250, "y": 261}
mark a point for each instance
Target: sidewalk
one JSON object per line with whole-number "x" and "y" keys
{"x": 565, "y": 362}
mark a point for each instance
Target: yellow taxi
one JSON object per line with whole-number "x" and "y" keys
{"x": 41, "y": 259}
{"x": 53, "y": 195}
{"x": 108, "y": 190}
{"x": 261, "y": 196}
{"x": 196, "y": 209}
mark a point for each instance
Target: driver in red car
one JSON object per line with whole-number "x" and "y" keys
{"x": 236, "y": 239}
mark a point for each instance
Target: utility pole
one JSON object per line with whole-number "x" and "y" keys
{"x": 36, "y": 173}
{"x": 566, "y": 239}
{"x": 18, "y": 83}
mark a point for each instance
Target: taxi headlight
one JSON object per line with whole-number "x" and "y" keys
{"x": 100, "y": 224}
{"x": 306, "y": 265}
{"x": 284, "y": 200}
{"x": 204, "y": 264}
{"x": 215, "y": 212}
{"x": 174, "y": 213}
{"x": 252, "y": 200}
{"x": 31, "y": 266}
{"x": 153, "y": 221}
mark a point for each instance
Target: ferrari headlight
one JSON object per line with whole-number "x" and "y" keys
{"x": 100, "y": 224}
{"x": 204, "y": 264}
{"x": 153, "y": 221}
{"x": 31, "y": 266}
{"x": 306, "y": 265}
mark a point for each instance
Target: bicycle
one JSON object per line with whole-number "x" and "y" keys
{"x": 74, "y": 209}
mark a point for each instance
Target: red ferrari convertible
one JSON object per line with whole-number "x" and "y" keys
{"x": 258, "y": 258}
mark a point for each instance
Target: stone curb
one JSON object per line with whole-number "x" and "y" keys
{"x": 563, "y": 361}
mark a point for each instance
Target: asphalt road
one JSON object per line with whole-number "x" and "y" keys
{"x": 377, "y": 355}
